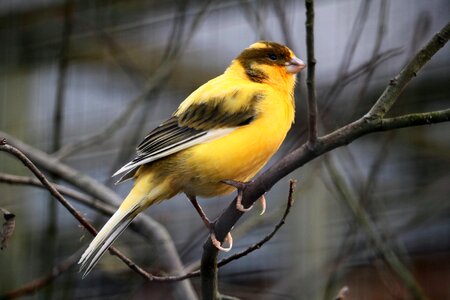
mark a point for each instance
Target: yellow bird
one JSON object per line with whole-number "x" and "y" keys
{"x": 224, "y": 132}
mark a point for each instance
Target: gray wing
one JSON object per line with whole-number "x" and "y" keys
{"x": 160, "y": 142}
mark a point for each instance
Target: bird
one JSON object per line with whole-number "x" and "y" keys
{"x": 220, "y": 136}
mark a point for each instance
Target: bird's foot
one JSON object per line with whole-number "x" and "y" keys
{"x": 210, "y": 226}
{"x": 240, "y": 186}
{"x": 217, "y": 244}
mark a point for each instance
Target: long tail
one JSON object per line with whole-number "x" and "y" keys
{"x": 107, "y": 235}
{"x": 145, "y": 192}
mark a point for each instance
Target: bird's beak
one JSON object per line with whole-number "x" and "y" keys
{"x": 295, "y": 65}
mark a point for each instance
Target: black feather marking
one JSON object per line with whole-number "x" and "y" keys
{"x": 250, "y": 58}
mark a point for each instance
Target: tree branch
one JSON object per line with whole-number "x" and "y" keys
{"x": 311, "y": 71}
{"x": 415, "y": 119}
{"x": 399, "y": 82}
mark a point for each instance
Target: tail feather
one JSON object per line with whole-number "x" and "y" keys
{"x": 106, "y": 236}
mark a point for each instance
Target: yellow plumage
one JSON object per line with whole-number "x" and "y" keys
{"x": 225, "y": 130}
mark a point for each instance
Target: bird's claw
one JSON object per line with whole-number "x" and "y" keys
{"x": 240, "y": 186}
{"x": 218, "y": 245}
{"x": 262, "y": 200}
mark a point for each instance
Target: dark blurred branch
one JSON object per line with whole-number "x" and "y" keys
{"x": 49, "y": 248}
{"x": 349, "y": 51}
{"x": 63, "y": 171}
{"x": 354, "y": 37}
{"x": 381, "y": 33}
{"x": 364, "y": 220}
{"x": 370, "y": 123}
{"x": 348, "y": 245}
{"x": 58, "y": 113}
{"x": 37, "y": 284}
{"x": 311, "y": 70}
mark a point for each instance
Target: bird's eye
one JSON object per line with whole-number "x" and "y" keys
{"x": 273, "y": 56}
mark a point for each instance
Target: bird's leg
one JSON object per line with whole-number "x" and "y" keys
{"x": 210, "y": 226}
{"x": 240, "y": 186}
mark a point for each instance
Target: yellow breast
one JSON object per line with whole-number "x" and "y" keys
{"x": 238, "y": 155}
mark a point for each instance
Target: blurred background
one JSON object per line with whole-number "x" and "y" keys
{"x": 85, "y": 81}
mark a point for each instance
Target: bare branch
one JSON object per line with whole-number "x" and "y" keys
{"x": 310, "y": 81}
{"x": 399, "y": 82}
{"x": 415, "y": 119}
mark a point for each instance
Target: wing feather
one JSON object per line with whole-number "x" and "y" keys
{"x": 198, "y": 122}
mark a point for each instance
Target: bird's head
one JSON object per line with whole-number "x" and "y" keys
{"x": 269, "y": 62}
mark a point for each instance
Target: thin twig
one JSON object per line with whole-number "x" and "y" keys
{"x": 416, "y": 119}
{"x": 311, "y": 71}
{"x": 267, "y": 238}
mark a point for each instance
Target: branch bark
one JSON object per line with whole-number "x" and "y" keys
{"x": 310, "y": 81}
